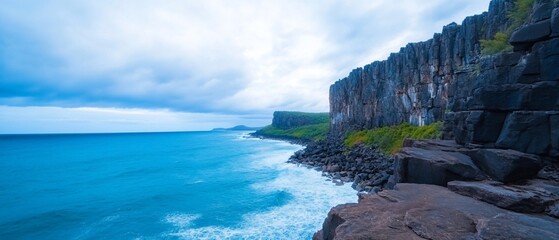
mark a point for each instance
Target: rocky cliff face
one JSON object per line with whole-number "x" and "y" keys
{"x": 500, "y": 164}
{"x": 508, "y": 100}
{"x": 413, "y": 85}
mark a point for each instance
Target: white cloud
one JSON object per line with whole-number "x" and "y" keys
{"x": 233, "y": 57}
{"x": 91, "y": 120}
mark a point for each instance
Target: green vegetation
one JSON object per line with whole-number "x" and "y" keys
{"x": 390, "y": 139}
{"x": 313, "y": 117}
{"x": 286, "y": 120}
{"x": 313, "y": 132}
{"x": 500, "y": 42}
{"x": 521, "y": 11}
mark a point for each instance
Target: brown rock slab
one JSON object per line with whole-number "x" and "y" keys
{"x": 531, "y": 198}
{"x": 506, "y": 227}
{"x": 434, "y": 223}
{"x": 419, "y": 211}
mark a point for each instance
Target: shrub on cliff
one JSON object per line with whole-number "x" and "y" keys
{"x": 390, "y": 139}
{"x": 500, "y": 42}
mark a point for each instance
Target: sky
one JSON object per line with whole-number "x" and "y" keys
{"x": 138, "y": 65}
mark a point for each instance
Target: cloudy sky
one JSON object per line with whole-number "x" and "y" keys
{"x": 137, "y": 65}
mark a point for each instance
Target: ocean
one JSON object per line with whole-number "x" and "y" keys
{"x": 184, "y": 185}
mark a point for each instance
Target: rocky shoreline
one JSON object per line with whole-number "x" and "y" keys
{"x": 484, "y": 193}
{"x": 364, "y": 166}
{"x": 367, "y": 169}
{"x": 496, "y": 173}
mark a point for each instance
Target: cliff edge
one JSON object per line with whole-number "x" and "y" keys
{"x": 495, "y": 173}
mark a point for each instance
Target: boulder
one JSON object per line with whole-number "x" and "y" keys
{"x": 504, "y": 97}
{"x": 555, "y": 23}
{"x": 527, "y": 199}
{"x": 419, "y": 211}
{"x": 524, "y": 37}
{"x": 526, "y": 131}
{"x": 553, "y": 210}
{"x": 554, "y": 125}
{"x": 542, "y": 12}
{"x": 507, "y": 165}
{"x": 544, "y": 96}
{"x": 550, "y": 69}
{"x": 478, "y": 126}
{"x": 435, "y": 144}
{"x": 416, "y": 165}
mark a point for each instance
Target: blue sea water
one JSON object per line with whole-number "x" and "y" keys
{"x": 187, "y": 185}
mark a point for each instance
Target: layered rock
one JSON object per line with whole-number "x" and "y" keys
{"x": 418, "y": 165}
{"x": 415, "y": 84}
{"x": 438, "y": 162}
{"x": 508, "y": 100}
{"x": 535, "y": 196}
{"x": 501, "y": 122}
{"x": 419, "y": 211}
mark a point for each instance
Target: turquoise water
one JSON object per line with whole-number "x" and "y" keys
{"x": 189, "y": 185}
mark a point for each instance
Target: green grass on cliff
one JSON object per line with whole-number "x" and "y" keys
{"x": 500, "y": 42}
{"x": 313, "y": 132}
{"x": 311, "y": 117}
{"x": 390, "y": 139}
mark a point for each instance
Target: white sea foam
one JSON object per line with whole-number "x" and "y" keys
{"x": 312, "y": 198}
{"x": 181, "y": 220}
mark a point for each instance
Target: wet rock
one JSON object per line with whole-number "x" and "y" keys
{"x": 363, "y": 165}
{"x": 553, "y": 210}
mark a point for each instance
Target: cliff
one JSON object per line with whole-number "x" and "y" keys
{"x": 286, "y": 119}
{"x": 503, "y": 100}
{"x": 296, "y": 127}
{"x": 414, "y": 84}
{"x": 496, "y": 176}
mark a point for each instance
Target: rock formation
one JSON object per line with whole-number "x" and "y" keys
{"x": 420, "y": 211}
{"x": 503, "y": 100}
{"x": 496, "y": 176}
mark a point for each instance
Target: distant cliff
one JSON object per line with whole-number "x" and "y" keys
{"x": 286, "y": 120}
{"x": 296, "y": 127}
{"x": 508, "y": 100}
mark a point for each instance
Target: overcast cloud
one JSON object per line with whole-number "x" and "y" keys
{"x": 217, "y": 57}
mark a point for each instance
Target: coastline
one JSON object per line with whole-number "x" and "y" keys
{"x": 364, "y": 167}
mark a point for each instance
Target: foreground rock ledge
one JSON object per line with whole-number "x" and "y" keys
{"x": 418, "y": 211}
